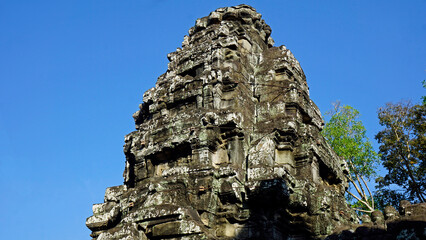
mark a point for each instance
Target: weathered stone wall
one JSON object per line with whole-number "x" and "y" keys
{"x": 227, "y": 146}
{"x": 408, "y": 223}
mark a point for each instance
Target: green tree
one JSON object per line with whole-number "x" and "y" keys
{"x": 403, "y": 151}
{"x": 347, "y": 136}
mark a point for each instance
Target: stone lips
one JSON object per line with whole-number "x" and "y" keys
{"x": 228, "y": 145}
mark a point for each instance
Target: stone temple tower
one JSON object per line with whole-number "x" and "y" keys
{"x": 227, "y": 145}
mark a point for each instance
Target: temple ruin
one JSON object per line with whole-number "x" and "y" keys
{"x": 227, "y": 146}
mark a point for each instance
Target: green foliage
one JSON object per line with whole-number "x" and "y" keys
{"x": 347, "y": 136}
{"x": 403, "y": 149}
{"x": 424, "y": 97}
{"x": 385, "y": 196}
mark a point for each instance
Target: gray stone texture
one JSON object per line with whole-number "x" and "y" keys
{"x": 410, "y": 224}
{"x": 228, "y": 146}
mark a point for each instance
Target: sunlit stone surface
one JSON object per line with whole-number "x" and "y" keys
{"x": 227, "y": 146}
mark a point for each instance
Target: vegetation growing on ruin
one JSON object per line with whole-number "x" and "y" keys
{"x": 347, "y": 136}
{"x": 403, "y": 152}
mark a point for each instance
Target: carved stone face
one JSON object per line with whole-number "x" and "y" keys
{"x": 228, "y": 145}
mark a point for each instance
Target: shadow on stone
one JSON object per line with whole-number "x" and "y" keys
{"x": 400, "y": 229}
{"x": 269, "y": 216}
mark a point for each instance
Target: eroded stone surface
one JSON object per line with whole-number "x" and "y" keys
{"x": 410, "y": 224}
{"x": 227, "y": 146}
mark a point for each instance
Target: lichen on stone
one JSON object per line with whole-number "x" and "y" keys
{"x": 227, "y": 145}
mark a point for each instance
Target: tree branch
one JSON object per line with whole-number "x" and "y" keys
{"x": 355, "y": 185}
{"x": 369, "y": 192}
{"x": 362, "y": 201}
{"x": 407, "y": 165}
{"x": 362, "y": 210}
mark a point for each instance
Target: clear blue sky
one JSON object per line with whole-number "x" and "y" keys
{"x": 73, "y": 72}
